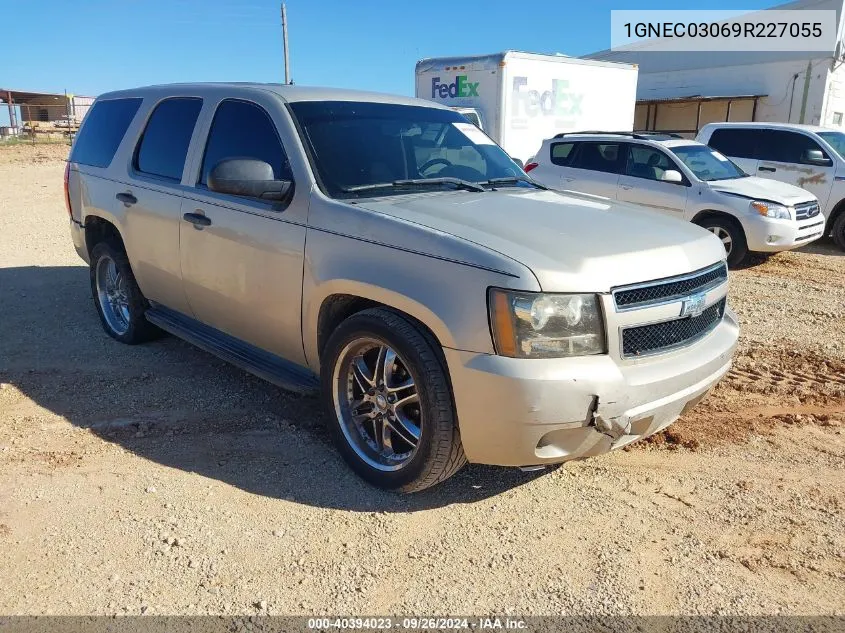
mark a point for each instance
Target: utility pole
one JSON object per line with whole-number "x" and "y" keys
{"x": 285, "y": 42}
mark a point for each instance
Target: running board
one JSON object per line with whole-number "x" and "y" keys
{"x": 256, "y": 361}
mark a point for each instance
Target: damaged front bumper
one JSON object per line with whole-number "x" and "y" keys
{"x": 525, "y": 412}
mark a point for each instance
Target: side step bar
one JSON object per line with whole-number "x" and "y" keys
{"x": 240, "y": 354}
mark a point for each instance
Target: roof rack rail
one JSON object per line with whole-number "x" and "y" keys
{"x": 638, "y": 134}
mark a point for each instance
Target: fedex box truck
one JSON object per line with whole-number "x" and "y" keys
{"x": 521, "y": 99}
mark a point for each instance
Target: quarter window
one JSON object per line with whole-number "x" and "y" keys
{"x": 104, "y": 127}
{"x": 241, "y": 129}
{"x": 606, "y": 157}
{"x": 561, "y": 153}
{"x": 164, "y": 145}
{"x": 646, "y": 162}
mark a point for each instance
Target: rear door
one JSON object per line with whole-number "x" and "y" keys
{"x": 782, "y": 156}
{"x": 642, "y": 183}
{"x": 738, "y": 144}
{"x": 153, "y": 197}
{"x": 242, "y": 271}
{"x": 595, "y": 168}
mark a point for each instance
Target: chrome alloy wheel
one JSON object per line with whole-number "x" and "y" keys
{"x": 377, "y": 404}
{"x": 723, "y": 235}
{"x": 112, "y": 295}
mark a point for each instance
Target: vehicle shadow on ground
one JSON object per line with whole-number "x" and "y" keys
{"x": 178, "y": 406}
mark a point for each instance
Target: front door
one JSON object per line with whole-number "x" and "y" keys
{"x": 242, "y": 265}
{"x": 783, "y": 156}
{"x": 642, "y": 181}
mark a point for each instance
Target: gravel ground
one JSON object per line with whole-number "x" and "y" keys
{"x": 157, "y": 479}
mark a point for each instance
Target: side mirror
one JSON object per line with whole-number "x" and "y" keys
{"x": 673, "y": 176}
{"x": 518, "y": 162}
{"x": 249, "y": 178}
{"x": 815, "y": 157}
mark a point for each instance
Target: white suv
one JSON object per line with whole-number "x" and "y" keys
{"x": 684, "y": 179}
{"x": 805, "y": 155}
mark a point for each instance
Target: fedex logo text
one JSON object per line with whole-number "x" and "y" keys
{"x": 459, "y": 88}
{"x": 559, "y": 101}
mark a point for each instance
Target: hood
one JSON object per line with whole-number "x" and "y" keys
{"x": 572, "y": 242}
{"x": 763, "y": 189}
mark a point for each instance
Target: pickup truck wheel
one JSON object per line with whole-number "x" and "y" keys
{"x": 118, "y": 300}
{"x": 732, "y": 236}
{"x": 839, "y": 231}
{"x": 390, "y": 403}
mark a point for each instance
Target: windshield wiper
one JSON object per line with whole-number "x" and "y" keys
{"x": 416, "y": 182}
{"x": 511, "y": 180}
{"x": 458, "y": 183}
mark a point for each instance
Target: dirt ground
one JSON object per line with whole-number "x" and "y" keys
{"x": 157, "y": 479}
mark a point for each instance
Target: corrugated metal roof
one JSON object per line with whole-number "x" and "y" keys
{"x": 23, "y": 96}
{"x": 722, "y": 97}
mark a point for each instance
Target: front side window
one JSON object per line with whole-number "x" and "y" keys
{"x": 782, "y": 146}
{"x": 736, "y": 142}
{"x": 647, "y": 162}
{"x": 104, "y": 127}
{"x": 836, "y": 140}
{"x": 241, "y": 129}
{"x": 605, "y": 157}
{"x": 365, "y": 149}
{"x": 164, "y": 144}
{"x": 706, "y": 163}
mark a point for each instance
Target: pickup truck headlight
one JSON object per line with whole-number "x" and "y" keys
{"x": 539, "y": 325}
{"x": 771, "y": 210}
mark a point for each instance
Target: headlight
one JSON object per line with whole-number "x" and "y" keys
{"x": 535, "y": 325}
{"x": 771, "y": 210}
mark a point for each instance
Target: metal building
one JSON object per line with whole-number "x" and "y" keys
{"x": 681, "y": 91}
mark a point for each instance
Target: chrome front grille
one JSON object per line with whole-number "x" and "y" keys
{"x": 656, "y": 338}
{"x": 806, "y": 210}
{"x": 669, "y": 289}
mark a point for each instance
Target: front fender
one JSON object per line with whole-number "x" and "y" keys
{"x": 449, "y": 298}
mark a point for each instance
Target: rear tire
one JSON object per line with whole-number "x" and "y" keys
{"x": 730, "y": 232}
{"x": 839, "y": 230}
{"x": 387, "y": 394}
{"x": 117, "y": 297}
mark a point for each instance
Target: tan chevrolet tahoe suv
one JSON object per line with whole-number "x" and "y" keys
{"x": 384, "y": 251}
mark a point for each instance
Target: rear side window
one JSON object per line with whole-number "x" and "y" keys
{"x": 736, "y": 142}
{"x": 164, "y": 144}
{"x": 561, "y": 153}
{"x": 244, "y": 130}
{"x": 606, "y": 157}
{"x": 104, "y": 128}
{"x": 784, "y": 147}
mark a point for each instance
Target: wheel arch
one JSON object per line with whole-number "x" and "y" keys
{"x": 98, "y": 229}
{"x": 341, "y": 301}
{"x": 838, "y": 210}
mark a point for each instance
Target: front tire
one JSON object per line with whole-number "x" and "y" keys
{"x": 839, "y": 231}
{"x": 117, "y": 297}
{"x": 387, "y": 393}
{"x": 730, "y": 232}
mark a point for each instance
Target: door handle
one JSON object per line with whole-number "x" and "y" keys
{"x": 197, "y": 219}
{"x": 127, "y": 198}
{"x": 626, "y": 187}
{"x": 767, "y": 169}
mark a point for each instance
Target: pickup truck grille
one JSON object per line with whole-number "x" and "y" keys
{"x": 643, "y": 340}
{"x": 669, "y": 289}
{"x": 806, "y": 210}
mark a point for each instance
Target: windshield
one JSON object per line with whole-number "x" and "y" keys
{"x": 365, "y": 149}
{"x": 706, "y": 163}
{"x": 836, "y": 140}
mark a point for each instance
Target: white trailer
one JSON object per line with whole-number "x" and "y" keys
{"x": 521, "y": 99}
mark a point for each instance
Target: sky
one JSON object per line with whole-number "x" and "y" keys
{"x": 88, "y": 47}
